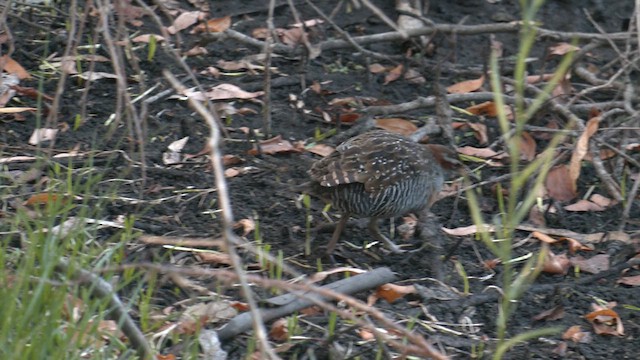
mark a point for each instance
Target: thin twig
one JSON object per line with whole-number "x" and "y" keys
{"x": 231, "y": 239}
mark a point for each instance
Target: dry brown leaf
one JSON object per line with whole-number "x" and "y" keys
{"x": 222, "y": 92}
{"x": 536, "y": 216}
{"x": 240, "y": 306}
{"x": 394, "y": 74}
{"x": 275, "y": 145}
{"x": 413, "y": 76}
{"x": 556, "y": 264}
{"x": 366, "y": 334}
{"x": 534, "y": 79}
{"x": 247, "y": 226}
{"x": 260, "y": 33}
{"x": 544, "y": 237}
{"x": 562, "y": 48}
{"x": 392, "y": 292}
{"x": 491, "y": 263}
{"x": 165, "y": 357}
{"x": 96, "y": 75}
{"x": 593, "y": 265}
{"x": 487, "y": 108}
{"x": 279, "y": 330}
{"x": 397, "y": 125}
{"x": 229, "y": 159}
{"x": 559, "y": 185}
{"x": 231, "y": 172}
{"x": 527, "y": 147}
{"x": 555, "y": 313}
{"x": 630, "y": 280}
{"x": 215, "y": 258}
{"x": 196, "y": 51}
{"x": 467, "y": 86}
{"x": 41, "y": 135}
{"x": 576, "y": 335}
{"x": 146, "y": 38}
{"x": 602, "y": 200}
{"x": 563, "y": 88}
{"x": 606, "y": 322}
{"x": 319, "y": 276}
{"x": 377, "y": 68}
{"x": 11, "y": 66}
{"x": 480, "y": 132}
{"x": 185, "y": 20}
{"x": 348, "y": 117}
{"x": 582, "y": 148}
{"x": 584, "y": 205}
{"x": 291, "y": 37}
{"x": 483, "y": 153}
{"x": 213, "y": 25}
{"x": 321, "y": 149}
{"x": 13, "y": 110}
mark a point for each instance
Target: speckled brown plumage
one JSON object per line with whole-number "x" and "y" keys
{"x": 379, "y": 174}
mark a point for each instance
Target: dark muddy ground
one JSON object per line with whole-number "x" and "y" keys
{"x": 262, "y": 194}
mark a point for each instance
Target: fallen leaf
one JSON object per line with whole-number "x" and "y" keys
{"x": 397, "y": 125}
{"x": 321, "y": 149}
{"x": 394, "y": 74}
{"x": 487, "y": 108}
{"x": 366, "y": 334}
{"x": 576, "y": 335}
{"x": 319, "y": 276}
{"x": 274, "y": 145}
{"x": 392, "y": 292}
{"x": 467, "y": 86}
{"x": 196, "y": 51}
{"x": 606, "y": 322}
{"x": 544, "y": 237}
{"x": 279, "y": 330}
{"x": 562, "y": 48}
{"x": 480, "y": 132}
{"x": 291, "y": 37}
{"x": 146, "y": 38}
{"x": 602, "y": 201}
{"x": 247, "y": 226}
{"x": 13, "y": 110}
{"x": 96, "y": 75}
{"x": 308, "y": 23}
{"x": 165, "y": 357}
{"x": 213, "y": 25}
{"x": 413, "y": 76}
{"x": 527, "y": 147}
{"x": 584, "y": 205}
{"x": 630, "y": 280}
{"x": 41, "y": 199}
{"x": 185, "y": 20}
{"x": 215, "y": 258}
{"x": 40, "y": 135}
{"x": 556, "y": 264}
{"x": 348, "y": 117}
{"x": 534, "y": 79}
{"x": 582, "y": 148}
{"x": 559, "y": 184}
{"x": 555, "y": 313}
{"x": 11, "y": 66}
{"x": 377, "y": 68}
{"x": 593, "y": 265}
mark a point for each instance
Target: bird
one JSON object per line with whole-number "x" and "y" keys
{"x": 379, "y": 174}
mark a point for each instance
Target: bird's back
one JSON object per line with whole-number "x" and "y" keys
{"x": 378, "y": 174}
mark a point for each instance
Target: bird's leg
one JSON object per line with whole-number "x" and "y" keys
{"x": 336, "y": 233}
{"x": 375, "y": 232}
